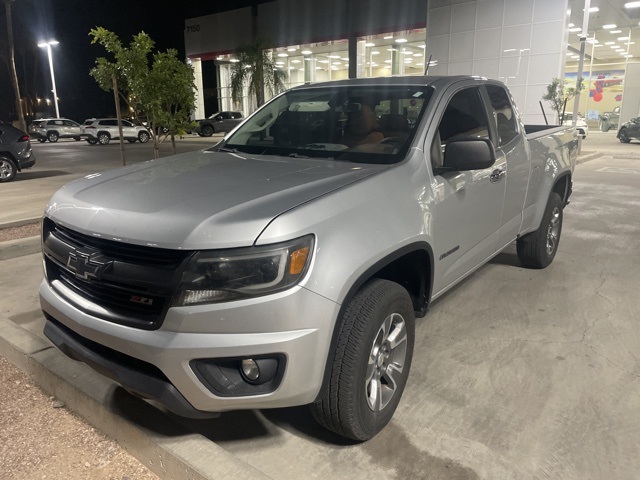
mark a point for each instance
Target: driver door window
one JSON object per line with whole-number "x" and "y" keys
{"x": 464, "y": 117}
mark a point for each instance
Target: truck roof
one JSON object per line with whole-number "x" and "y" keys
{"x": 393, "y": 81}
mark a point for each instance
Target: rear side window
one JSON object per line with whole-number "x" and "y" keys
{"x": 88, "y": 122}
{"x": 503, "y": 114}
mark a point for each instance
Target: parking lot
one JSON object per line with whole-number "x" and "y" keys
{"x": 516, "y": 373}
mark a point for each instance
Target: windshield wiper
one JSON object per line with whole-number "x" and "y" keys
{"x": 228, "y": 150}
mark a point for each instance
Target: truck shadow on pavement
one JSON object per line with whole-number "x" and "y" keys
{"x": 26, "y": 175}
{"x": 230, "y": 426}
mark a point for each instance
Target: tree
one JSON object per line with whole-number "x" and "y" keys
{"x": 157, "y": 87}
{"x": 12, "y": 66}
{"x": 256, "y": 69}
{"x": 558, "y": 94}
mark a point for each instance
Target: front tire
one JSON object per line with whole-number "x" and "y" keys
{"x": 538, "y": 249}
{"x": 371, "y": 363}
{"x": 143, "y": 137}
{"x": 624, "y": 138}
{"x": 7, "y": 169}
{"x": 52, "y": 137}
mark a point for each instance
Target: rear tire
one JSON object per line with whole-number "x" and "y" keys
{"x": 77, "y": 139}
{"x": 538, "y": 249}
{"x": 42, "y": 140}
{"x": 103, "y": 138}
{"x": 131, "y": 140}
{"x": 92, "y": 141}
{"x": 371, "y": 363}
{"x": 207, "y": 131}
{"x": 52, "y": 137}
{"x": 7, "y": 169}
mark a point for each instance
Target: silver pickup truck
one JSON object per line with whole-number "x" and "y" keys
{"x": 287, "y": 264}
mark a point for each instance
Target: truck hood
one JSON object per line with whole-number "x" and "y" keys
{"x": 198, "y": 200}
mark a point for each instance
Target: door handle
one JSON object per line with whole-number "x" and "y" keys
{"x": 496, "y": 175}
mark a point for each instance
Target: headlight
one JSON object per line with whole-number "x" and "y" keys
{"x": 222, "y": 275}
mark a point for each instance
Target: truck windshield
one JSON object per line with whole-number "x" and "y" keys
{"x": 365, "y": 124}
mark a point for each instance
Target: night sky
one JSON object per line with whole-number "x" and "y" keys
{"x": 69, "y": 22}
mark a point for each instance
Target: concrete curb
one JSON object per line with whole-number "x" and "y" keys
{"x": 19, "y": 247}
{"x": 153, "y": 437}
{"x": 588, "y": 156}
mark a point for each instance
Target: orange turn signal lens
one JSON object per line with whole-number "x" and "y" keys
{"x": 298, "y": 260}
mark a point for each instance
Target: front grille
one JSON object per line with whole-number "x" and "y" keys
{"x": 131, "y": 284}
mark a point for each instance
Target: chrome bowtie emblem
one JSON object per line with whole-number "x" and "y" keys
{"x": 87, "y": 264}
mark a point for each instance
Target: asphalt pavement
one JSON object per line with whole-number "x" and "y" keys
{"x": 516, "y": 374}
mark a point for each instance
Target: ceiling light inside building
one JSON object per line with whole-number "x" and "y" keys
{"x": 295, "y": 61}
{"x": 609, "y": 43}
{"x": 609, "y": 26}
{"x": 283, "y": 54}
{"x": 401, "y": 40}
{"x": 571, "y": 25}
{"x": 593, "y": 10}
{"x": 234, "y": 60}
{"x": 369, "y": 44}
{"x": 323, "y": 61}
{"x": 615, "y": 31}
{"x": 388, "y": 37}
{"x": 417, "y": 54}
{"x": 632, "y": 5}
{"x": 575, "y": 29}
{"x": 334, "y": 56}
{"x": 291, "y": 49}
{"x": 306, "y": 52}
{"x": 375, "y": 52}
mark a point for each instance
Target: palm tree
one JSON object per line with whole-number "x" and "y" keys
{"x": 12, "y": 66}
{"x": 256, "y": 69}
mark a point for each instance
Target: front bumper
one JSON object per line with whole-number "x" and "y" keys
{"x": 296, "y": 324}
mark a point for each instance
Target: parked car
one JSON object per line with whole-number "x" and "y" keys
{"x": 218, "y": 122}
{"x": 54, "y": 128}
{"x": 286, "y": 265}
{"x": 629, "y": 130}
{"x": 609, "y": 120}
{"x": 581, "y": 125}
{"x": 103, "y": 130}
{"x": 15, "y": 152}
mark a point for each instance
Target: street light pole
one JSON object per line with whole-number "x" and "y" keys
{"x": 53, "y": 78}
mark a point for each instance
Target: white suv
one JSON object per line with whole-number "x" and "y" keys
{"x": 103, "y": 130}
{"x": 54, "y": 128}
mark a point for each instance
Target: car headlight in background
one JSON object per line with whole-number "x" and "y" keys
{"x": 214, "y": 276}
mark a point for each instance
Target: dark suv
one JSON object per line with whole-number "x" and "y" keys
{"x": 15, "y": 152}
{"x": 218, "y": 122}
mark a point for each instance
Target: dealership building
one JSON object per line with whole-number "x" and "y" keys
{"x": 524, "y": 43}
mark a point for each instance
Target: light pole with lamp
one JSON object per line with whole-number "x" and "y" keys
{"x": 53, "y": 78}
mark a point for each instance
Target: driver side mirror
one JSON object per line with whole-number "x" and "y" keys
{"x": 464, "y": 155}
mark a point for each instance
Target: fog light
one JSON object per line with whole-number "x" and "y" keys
{"x": 250, "y": 369}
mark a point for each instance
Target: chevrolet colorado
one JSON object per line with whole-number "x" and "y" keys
{"x": 287, "y": 264}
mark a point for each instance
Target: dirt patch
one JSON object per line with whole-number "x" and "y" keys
{"x": 23, "y": 231}
{"x": 41, "y": 439}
